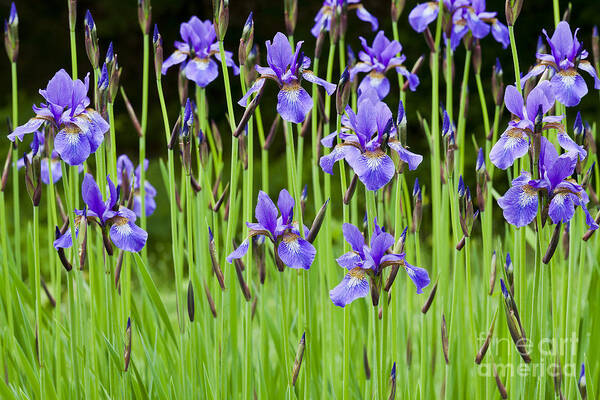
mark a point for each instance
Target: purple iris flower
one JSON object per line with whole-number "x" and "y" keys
{"x": 514, "y": 141}
{"x": 123, "y": 231}
{"x": 288, "y": 69}
{"x": 379, "y": 59}
{"x": 520, "y": 202}
{"x": 466, "y": 16}
{"x": 365, "y": 262}
{"x": 290, "y": 247}
{"x": 125, "y": 169}
{"x": 364, "y": 137}
{"x": 329, "y": 8}
{"x": 196, "y": 50}
{"x": 567, "y": 55}
{"x": 80, "y": 128}
{"x": 47, "y": 163}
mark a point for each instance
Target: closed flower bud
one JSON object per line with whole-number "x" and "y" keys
{"x": 220, "y": 17}
{"x": 553, "y": 244}
{"x": 418, "y": 206}
{"x": 211, "y": 302}
{"x": 477, "y": 58}
{"x": 445, "y": 339}
{"x": 72, "y": 5}
{"x": 392, "y": 394}
{"x": 486, "y": 344}
{"x": 91, "y": 40}
{"x": 499, "y": 384}
{"x": 6, "y": 169}
{"x": 11, "y": 34}
{"x": 157, "y": 43}
{"x": 144, "y": 15}
{"x": 343, "y": 91}
{"x": 493, "y": 274}
{"x": 190, "y": 302}
{"x": 581, "y": 383}
{"x": 317, "y": 223}
{"x": 33, "y": 180}
{"x": 247, "y": 40}
{"x": 215, "y": 260}
{"x": 397, "y": 8}
{"x": 351, "y": 189}
{"x": 497, "y": 83}
{"x": 299, "y": 357}
{"x": 509, "y": 270}
{"x": 430, "y": 298}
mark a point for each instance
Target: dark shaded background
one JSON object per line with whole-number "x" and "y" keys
{"x": 44, "y": 48}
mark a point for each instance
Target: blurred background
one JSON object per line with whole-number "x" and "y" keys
{"x": 44, "y": 49}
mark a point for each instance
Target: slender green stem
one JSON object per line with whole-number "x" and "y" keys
{"x": 144, "y": 127}
{"x": 15, "y": 171}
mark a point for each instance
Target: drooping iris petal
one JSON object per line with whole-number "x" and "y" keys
{"x": 569, "y": 87}
{"x": 412, "y": 159}
{"x": 565, "y": 141}
{"x": 253, "y": 89}
{"x": 239, "y": 252}
{"x": 72, "y": 145}
{"x": 520, "y": 203}
{"x": 293, "y": 103}
{"x": 176, "y": 58}
{"x": 513, "y": 144}
{"x": 562, "y": 207}
{"x": 329, "y": 87}
{"x": 338, "y": 153}
{"x": 202, "y": 71}
{"x": 296, "y": 252}
{"x": 374, "y": 168}
{"x": 377, "y": 81}
{"x": 589, "y": 68}
{"x": 419, "y": 276}
{"x": 30, "y": 126}
{"x": 366, "y": 16}
{"x": 354, "y": 286}
{"x": 422, "y": 15}
{"x": 64, "y": 241}
{"x": 125, "y": 234}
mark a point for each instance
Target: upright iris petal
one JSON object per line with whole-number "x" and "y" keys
{"x": 330, "y": 7}
{"x": 197, "y": 51}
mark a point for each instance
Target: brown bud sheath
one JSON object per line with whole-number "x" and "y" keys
{"x": 445, "y": 339}
{"x": 249, "y": 112}
{"x": 553, "y": 244}
{"x": 219, "y": 202}
{"x": 107, "y": 242}
{"x": 501, "y": 388}
{"x": 48, "y": 294}
{"x": 194, "y": 183}
{"x": 366, "y": 363}
{"x": 118, "y": 267}
{"x": 272, "y": 132}
{"x": 132, "y": 116}
{"x": 431, "y": 297}
{"x": 493, "y": 274}
{"x": 298, "y": 360}
{"x": 484, "y": 348}
{"x": 351, "y": 189}
{"x": 190, "y": 301}
{"x": 6, "y": 168}
{"x": 211, "y": 302}
{"x": 391, "y": 277}
{"x": 215, "y": 261}
{"x": 240, "y": 275}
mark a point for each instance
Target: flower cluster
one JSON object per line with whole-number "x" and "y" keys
{"x": 290, "y": 248}
{"x": 287, "y": 68}
{"x": 562, "y": 194}
{"x": 567, "y": 56}
{"x": 120, "y": 221}
{"x": 365, "y": 262}
{"x": 196, "y": 52}
{"x": 80, "y": 129}
{"x": 461, "y": 17}
{"x": 377, "y": 60}
{"x": 364, "y": 139}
